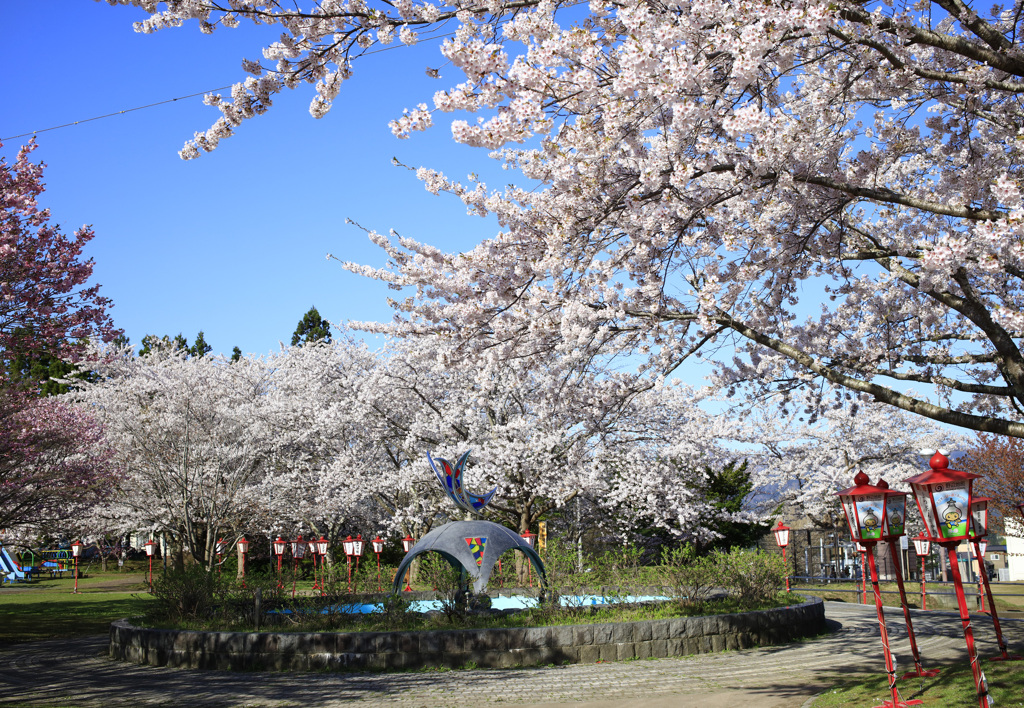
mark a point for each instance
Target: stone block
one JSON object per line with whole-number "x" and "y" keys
{"x": 537, "y": 638}
{"x": 608, "y": 652}
{"x": 430, "y": 643}
{"x": 603, "y": 633}
{"x": 642, "y": 650}
{"x": 676, "y": 646}
{"x": 643, "y": 631}
{"x": 582, "y": 635}
{"x": 590, "y": 654}
{"x": 625, "y": 651}
{"x": 407, "y": 642}
{"x": 694, "y": 628}
{"x": 731, "y": 641}
{"x": 561, "y": 636}
{"x": 659, "y": 629}
{"x": 659, "y": 648}
{"x": 622, "y": 632}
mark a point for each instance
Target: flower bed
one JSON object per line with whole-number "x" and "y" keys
{"x": 491, "y": 648}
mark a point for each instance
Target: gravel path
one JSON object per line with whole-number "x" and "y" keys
{"x": 78, "y": 673}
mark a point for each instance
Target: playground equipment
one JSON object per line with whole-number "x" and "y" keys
{"x": 12, "y": 570}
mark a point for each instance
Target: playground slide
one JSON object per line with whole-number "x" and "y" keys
{"x": 13, "y": 570}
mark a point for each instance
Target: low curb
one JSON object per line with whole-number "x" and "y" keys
{"x": 479, "y": 648}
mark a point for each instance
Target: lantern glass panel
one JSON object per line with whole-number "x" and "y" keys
{"x": 782, "y": 536}
{"x": 299, "y": 550}
{"x": 923, "y": 497}
{"x": 322, "y": 547}
{"x": 851, "y": 515}
{"x": 979, "y": 517}
{"x": 923, "y": 546}
{"x": 895, "y": 514}
{"x": 378, "y": 545}
{"x": 952, "y": 502}
{"x": 407, "y": 543}
{"x": 357, "y": 548}
{"x": 243, "y": 546}
{"x": 348, "y": 546}
{"x": 870, "y": 516}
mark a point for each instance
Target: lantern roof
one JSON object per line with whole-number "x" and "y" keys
{"x": 883, "y": 485}
{"x": 862, "y": 485}
{"x": 940, "y": 472}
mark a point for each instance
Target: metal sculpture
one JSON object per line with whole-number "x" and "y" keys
{"x": 471, "y": 546}
{"x": 451, "y": 482}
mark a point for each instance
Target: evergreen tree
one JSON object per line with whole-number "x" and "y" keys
{"x": 312, "y": 328}
{"x": 200, "y": 348}
{"x": 236, "y": 354}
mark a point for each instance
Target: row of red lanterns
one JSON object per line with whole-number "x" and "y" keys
{"x": 951, "y": 514}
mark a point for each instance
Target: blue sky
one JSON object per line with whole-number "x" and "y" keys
{"x": 233, "y": 243}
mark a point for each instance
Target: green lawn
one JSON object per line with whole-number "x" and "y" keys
{"x": 953, "y": 688}
{"x": 47, "y": 608}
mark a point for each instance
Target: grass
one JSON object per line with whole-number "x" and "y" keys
{"x": 47, "y": 608}
{"x": 953, "y": 688}
{"x": 540, "y": 617}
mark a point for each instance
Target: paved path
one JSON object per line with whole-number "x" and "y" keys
{"x": 77, "y": 672}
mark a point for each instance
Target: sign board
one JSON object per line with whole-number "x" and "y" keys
{"x": 542, "y": 535}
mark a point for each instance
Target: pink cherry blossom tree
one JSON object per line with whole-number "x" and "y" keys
{"x": 45, "y": 305}
{"x": 55, "y": 463}
{"x": 829, "y": 188}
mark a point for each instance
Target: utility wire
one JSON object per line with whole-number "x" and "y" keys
{"x": 117, "y": 113}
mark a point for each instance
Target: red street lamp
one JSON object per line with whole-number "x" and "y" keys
{"x": 865, "y": 508}
{"x": 150, "y": 547}
{"x": 321, "y": 546}
{"x": 243, "y": 549}
{"x": 979, "y": 529}
{"x": 76, "y": 550}
{"x": 279, "y": 546}
{"x": 923, "y": 547}
{"x": 378, "y": 546}
{"x": 407, "y": 545}
{"x": 357, "y": 549}
{"x": 782, "y": 538}
{"x": 895, "y": 524}
{"x": 943, "y": 497}
{"x": 298, "y": 552}
{"x": 349, "y": 545}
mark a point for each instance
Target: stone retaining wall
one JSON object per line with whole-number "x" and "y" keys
{"x": 493, "y": 648}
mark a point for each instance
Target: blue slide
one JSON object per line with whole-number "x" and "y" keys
{"x": 12, "y": 569}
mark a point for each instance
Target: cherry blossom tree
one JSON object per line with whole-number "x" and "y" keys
{"x": 190, "y": 435}
{"x": 45, "y": 305}
{"x": 1000, "y": 461}
{"x": 55, "y": 463}
{"x": 698, "y": 174}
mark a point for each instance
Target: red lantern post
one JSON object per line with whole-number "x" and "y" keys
{"x": 378, "y": 547}
{"x": 150, "y": 547}
{"x": 895, "y": 524}
{"x": 865, "y": 509}
{"x": 322, "y": 546}
{"x": 76, "y": 550}
{"x": 298, "y": 553}
{"x": 863, "y": 550}
{"x": 279, "y": 546}
{"x": 782, "y": 539}
{"x": 530, "y": 539}
{"x": 349, "y": 546}
{"x": 979, "y": 530}
{"x": 407, "y": 545}
{"x": 923, "y": 547}
{"x": 357, "y": 550}
{"x": 943, "y": 498}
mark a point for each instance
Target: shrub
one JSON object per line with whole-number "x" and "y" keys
{"x": 693, "y": 578}
{"x": 188, "y": 593}
{"x": 752, "y": 576}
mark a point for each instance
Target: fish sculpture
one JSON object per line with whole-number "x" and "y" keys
{"x": 451, "y": 481}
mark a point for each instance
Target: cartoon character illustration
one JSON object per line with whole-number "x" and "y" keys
{"x": 896, "y": 521}
{"x": 951, "y": 515}
{"x": 870, "y": 521}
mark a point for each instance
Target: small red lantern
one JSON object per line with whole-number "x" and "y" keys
{"x": 150, "y": 547}
{"x": 76, "y": 551}
{"x": 781, "y": 534}
{"x": 923, "y": 547}
{"x": 279, "y": 546}
{"x": 407, "y": 543}
{"x": 530, "y": 538}
{"x": 299, "y": 548}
